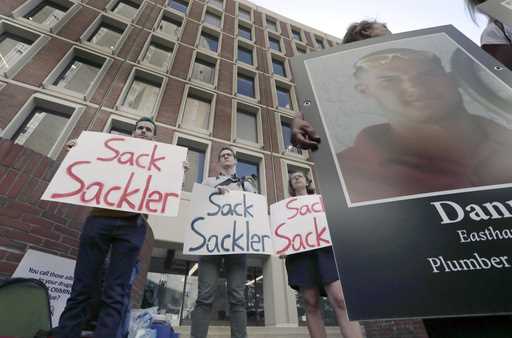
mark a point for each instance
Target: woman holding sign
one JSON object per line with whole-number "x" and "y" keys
{"x": 314, "y": 274}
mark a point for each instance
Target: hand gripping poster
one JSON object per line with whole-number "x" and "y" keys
{"x": 416, "y": 173}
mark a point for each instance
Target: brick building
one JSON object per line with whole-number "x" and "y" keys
{"x": 212, "y": 73}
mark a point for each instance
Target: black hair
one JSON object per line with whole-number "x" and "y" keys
{"x": 359, "y": 31}
{"x": 147, "y": 119}
{"x": 309, "y": 184}
{"x": 226, "y": 148}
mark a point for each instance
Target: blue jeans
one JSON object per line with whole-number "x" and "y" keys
{"x": 124, "y": 237}
{"x": 236, "y": 273}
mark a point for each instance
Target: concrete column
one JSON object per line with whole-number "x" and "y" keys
{"x": 279, "y": 299}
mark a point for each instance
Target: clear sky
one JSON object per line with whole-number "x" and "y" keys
{"x": 334, "y": 16}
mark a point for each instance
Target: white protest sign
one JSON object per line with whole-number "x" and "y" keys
{"x": 231, "y": 223}
{"x": 299, "y": 224}
{"x": 121, "y": 173}
{"x": 55, "y": 272}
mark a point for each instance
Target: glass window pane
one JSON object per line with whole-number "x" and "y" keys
{"x": 106, "y": 36}
{"x": 217, "y": 3}
{"x": 286, "y": 129}
{"x": 78, "y": 75}
{"x": 283, "y": 98}
{"x": 245, "y": 55}
{"x": 170, "y": 27}
{"x": 278, "y": 67}
{"x": 178, "y": 5}
{"x": 296, "y": 35}
{"x": 142, "y": 96}
{"x": 195, "y": 173}
{"x": 118, "y": 130}
{"x": 203, "y": 71}
{"x": 245, "y": 85}
{"x": 320, "y": 43}
{"x": 12, "y": 48}
{"x": 46, "y": 14}
{"x": 197, "y": 113}
{"x": 209, "y": 41}
{"x": 274, "y": 44}
{"x": 41, "y": 130}
{"x": 244, "y": 14}
{"x": 213, "y": 19}
{"x": 271, "y": 25}
{"x": 247, "y": 126}
{"x": 158, "y": 55}
{"x": 245, "y": 32}
{"x": 125, "y": 9}
{"x": 248, "y": 168}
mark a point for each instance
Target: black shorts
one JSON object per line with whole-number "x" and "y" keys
{"x": 312, "y": 269}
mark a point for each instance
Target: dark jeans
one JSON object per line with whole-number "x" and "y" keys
{"x": 236, "y": 273}
{"x": 124, "y": 237}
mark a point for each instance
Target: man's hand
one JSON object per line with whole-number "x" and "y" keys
{"x": 223, "y": 190}
{"x": 70, "y": 144}
{"x": 303, "y": 134}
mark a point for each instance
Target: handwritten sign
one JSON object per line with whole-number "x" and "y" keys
{"x": 55, "y": 272}
{"x": 223, "y": 224}
{"x": 121, "y": 173}
{"x": 299, "y": 224}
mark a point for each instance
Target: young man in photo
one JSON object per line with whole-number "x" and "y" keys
{"x": 235, "y": 265}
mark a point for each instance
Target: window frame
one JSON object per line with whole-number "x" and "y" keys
{"x": 209, "y": 2}
{"x": 119, "y": 120}
{"x": 109, "y": 20}
{"x": 28, "y": 6}
{"x": 252, "y": 109}
{"x": 249, "y": 72}
{"x": 76, "y": 51}
{"x": 39, "y": 40}
{"x": 167, "y": 7}
{"x": 276, "y": 37}
{"x": 113, "y": 3}
{"x": 279, "y": 117}
{"x": 208, "y": 9}
{"x": 158, "y": 39}
{"x": 299, "y": 45}
{"x": 198, "y": 143}
{"x": 286, "y": 65}
{"x": 249, "y": 27}
{"x": 251, "y": 155}
{"x": 197, "y": 91}
{"x": 247, "y": 9}
{"x": 210, "y": 31}
{"x": 293, "y": 97}
{"x": 148, "y": 76}
{"x": 271, "y": 18}
{"x": 206, "y": 58}
{"x": 285, "y": 165}
{"x": 300, "y": 31}
{"x": 73, "y": 110}
{"x": 321, "y": 39}
{"x": 246, "y": 45}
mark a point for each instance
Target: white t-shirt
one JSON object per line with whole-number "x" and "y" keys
{"x": 493, "y": 35}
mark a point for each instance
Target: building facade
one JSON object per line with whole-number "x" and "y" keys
{"x": 211, "y": 73}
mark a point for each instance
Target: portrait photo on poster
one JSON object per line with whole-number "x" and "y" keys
{"x": 421, "y": 117}
{"x": 500, "y": 10}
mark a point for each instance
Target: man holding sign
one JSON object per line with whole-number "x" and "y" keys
{"x": 118, "y": 231}
{"x": 310, "y": 262}
{"x": 235, "y": 264}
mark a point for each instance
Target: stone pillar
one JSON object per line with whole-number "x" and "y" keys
{"x": 279, "y": 299}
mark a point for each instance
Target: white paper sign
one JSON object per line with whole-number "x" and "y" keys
{"x": 299, "y": 224}
{"x": 223, "y": 224}
{"x": 55, "y": 272}
{"x": 121, "y": 173}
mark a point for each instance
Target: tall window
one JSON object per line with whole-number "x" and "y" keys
{"x": 274, "y": 43}
{"x": 40, "y": 130}
{"x": 246, "y": 167}
{"x": 283, "y": 97}
{"x": 244, "y": 14}
{"x": 158, "y": 55}
{"x": 197, "y": 112}
{"x": 213, "y": 19}
{"x": 246, "y": 125}
{"x": 245, "y": 32}
{"x": 209, "y": 41}
{"x": 271, "y": 25}
{"x": 278, "y": 67}
{"x": 245, "y": 55}
{"x": 169, "y": 26}
{"x": 204, "y": 71}
{"x": 78, "y": 75}
{"x": 296, "y": 34}
{"x": 47, "y": 13}
{"x": 245, "y": 85}
{"x": 106, "y": 35}
{"x": 196, "y": 158}
{"x": 217, "y": 3}
{"x": 126, "y": 9}
{"x": 142, "y": 96}
{"x": 320, "y": 43}
{"x": 178, "y": 5}
{"x": 12, "y": 48}
{"x": 286, "y": 131}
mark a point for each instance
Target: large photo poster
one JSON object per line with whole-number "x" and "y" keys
{"x": 416, "y": 172}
